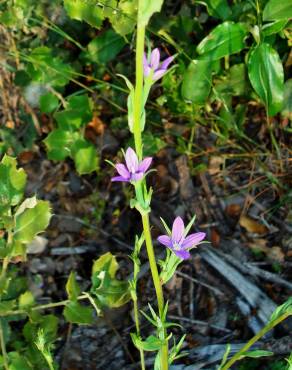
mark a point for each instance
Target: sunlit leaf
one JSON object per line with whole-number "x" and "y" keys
{"x": 225, "y": 39}
{"x": 276, "y": 10}
{"x": 267, "y": 77}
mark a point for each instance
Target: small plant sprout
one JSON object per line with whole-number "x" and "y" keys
{"x": 134, "y": 170}
{"x": 178, "y": 241}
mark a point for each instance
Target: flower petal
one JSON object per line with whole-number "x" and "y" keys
{"x": 145, "y": 164}
{"x": 166, "y": 62}
{"x": 122, "y": 170}
{"x": 137, "y": 176}
{"x": 158, "y": 74}
{"x": 155, "y": 59}
{"x": 119, "y": 178}
{"x": 183, "y": 254}
{"x": 192, "y": 240}
{"x": 146, "y": 66}
{"x": 165, "y": 240}
{"x": 131, "y": 160}
{"x": 178, "y": 229}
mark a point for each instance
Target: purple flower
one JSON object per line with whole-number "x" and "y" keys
{"x": 178, "y": 242}
{"x": 158, "y": 68}
{"x": 133, "y": 170}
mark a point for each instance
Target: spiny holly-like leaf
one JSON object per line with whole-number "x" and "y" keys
{"x": 31, "y": 221}
{"x": 12, "y": 182}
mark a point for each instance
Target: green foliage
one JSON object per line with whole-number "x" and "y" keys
{"x": 32, "y": 217}
{"x": 105, "y": 47}
{"x": 197, "y": 81}
{"x": 277, "y": 10}
{"x": 225, "y": 39}
{"x": 12, "y": 183}
{"x": 148, "y": 8}
{"x": 267, "y": 76}
{"x": 108, "y": 291}
{"x": 67, "y": 140}
{"x": 88, "y": 11}
{"x": 76, "y": 313}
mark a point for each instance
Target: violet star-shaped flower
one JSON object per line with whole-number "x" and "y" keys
{"x": 133, "y": 170}
{"x": 155, "y": 66}
{"x": 178, "y": 242}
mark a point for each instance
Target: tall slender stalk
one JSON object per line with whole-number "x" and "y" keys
{"x": 136, "y": 316}
{"x": 3, "y": 347}
{"x": 254, "y": 339}
{"x": 138, "y": 100}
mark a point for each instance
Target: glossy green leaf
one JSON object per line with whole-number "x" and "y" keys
{"x": 32, "y": 221}
{"x": 225, "y": 39}
{"x": 12, "y": 182}
{"x": 88, "y": 11}
{"x": 217, "y": 8}
{"x": 75, "y": 313}
{"x": 85, "y": 157}
{"x": 105, "y": 47}
{"x": 274, "y": 27}
{"x": 266, "y": 75}
{"x": 197, "y": 81}
{"x": 276, "y": 10}
{"x": 48, "y": 103}
{"x": 72, "y": 287}
{"x": 58, "y": 144}
{"x": 287, "y": 106}
{"x": 147, "y": 9}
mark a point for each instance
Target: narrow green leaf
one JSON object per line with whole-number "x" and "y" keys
{"x": 277, "y": 10}
{"x": 286, "y": 307}
{"x": 225, "y": 39}
{"x": 257, "y": 353}
{"x": 72, "y": 287}
{"x": 266, "y": 75}
{"x": 287, "y": 106}
{"x": 152, "y": 343}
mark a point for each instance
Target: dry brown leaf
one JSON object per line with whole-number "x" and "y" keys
{"x": 215, "y": 237}
{"x": 233, "y": 210}
{"x": 252, "y": 225}
{"x": 215, "y": 164}
{"x": 276, "y": 254}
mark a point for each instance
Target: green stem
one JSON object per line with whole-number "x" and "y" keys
{"x": 3, "y": 348}
{"x": 157, "y": 284}
{"x": 139, "y": 88}
{"x": 254, "y": 339}
{"x": 42, "y": 307}
{"x": 136, "y": 316}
